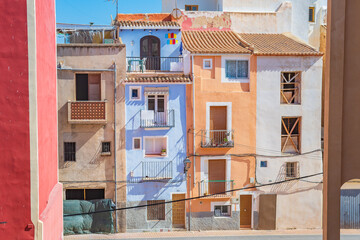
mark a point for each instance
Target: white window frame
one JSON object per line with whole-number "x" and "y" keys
{"x": 227, "y": 203}
{"x": 133, "y": 144}
{"x": 139, "y": 92}
{"x": 224, "y": 216}
{"x": 167, "y": 145}
{"x": 225, "y": 58}
{"x": 210, "y": 61}
{"x": 166, "y": 99}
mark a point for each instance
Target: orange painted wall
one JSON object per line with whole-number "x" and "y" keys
{"x": 209, "y": 88}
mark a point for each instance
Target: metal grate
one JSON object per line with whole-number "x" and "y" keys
{"x": 156, "y": 212}
{"x": 105, "y": 147}
{"x": 69, "y": 151}
{"x": 292, "y": 170}
{"x": 88, "y": 110}
{"x": 157, "y": 170}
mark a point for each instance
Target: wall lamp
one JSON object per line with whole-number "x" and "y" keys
{"x": 187, "y": 165}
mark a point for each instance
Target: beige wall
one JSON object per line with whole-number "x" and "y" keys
{"x": 91, "y": 169}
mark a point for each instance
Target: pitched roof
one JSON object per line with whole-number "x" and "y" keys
{"x": 156, "y": 20}
{"x": 277, "y": 44}
{"x": 169, "y": 78}
{"x": 213, "y": 42}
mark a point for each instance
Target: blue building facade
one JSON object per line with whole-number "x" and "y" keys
{"x": 155, "y": 127}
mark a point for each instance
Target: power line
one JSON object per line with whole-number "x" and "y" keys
{"x": 193, "y": 198}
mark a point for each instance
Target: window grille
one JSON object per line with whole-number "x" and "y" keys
{"x": 311, "y": 14}
{"x": 156, "y": 212}
{"x": 69, "y": 151}
{"x": 292, "y": 170}
{"x": 222, "y": 211}
{"x": 106, "y": 147}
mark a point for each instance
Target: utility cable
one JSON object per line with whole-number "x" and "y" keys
{"x": 193, "y": 198}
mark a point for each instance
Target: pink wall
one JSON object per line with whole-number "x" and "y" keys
{"x": 15, "y": 204}
{"x": 50, "y": 192}
{"x": 14, "y": 122}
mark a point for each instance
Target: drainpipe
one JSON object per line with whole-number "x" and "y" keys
{"x": 193, "y": 78}
{"x": 115, "y": 175}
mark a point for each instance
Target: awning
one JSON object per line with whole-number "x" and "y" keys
{"x": 156, "y": 91}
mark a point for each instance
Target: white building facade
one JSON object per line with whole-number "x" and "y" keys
{"x": 293, "y": 152}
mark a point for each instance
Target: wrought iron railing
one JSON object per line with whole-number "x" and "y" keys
{"x": 87, "y": 112}
{"x": 161, "y": 64}
{"x": 152, "y": 119}
{"x": 217, "y": 187}
{"x": 157, "y": 170}
{"x": 217, "y": 138}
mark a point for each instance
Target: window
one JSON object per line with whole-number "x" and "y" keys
{"x": 290, "y": 87}
{"x": 84, "y": 194}
{"x": 236, "y": 69}
{"x": 136, "y": 143}
{"x": 156, "y": 103}
{"x": 191, "y": 7}
{"x": 156, "y": 212}
{"x": 88, "y": 87}
{"x": 222, "y": 211}
{"x": 155, "y": 145}
{"x": 292, "y": 170}
{"x": 135, "y": 93}
{"x": 105, "y": 147}
{"x": 207, "y": 64}
{"x": 311, "y": 14}
{"x": 290, "y": 135}
{"x": 69, "y": 151}
{"x": 263, "y": 164}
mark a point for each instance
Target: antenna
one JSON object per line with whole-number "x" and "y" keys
{"x": 176, "y": 13}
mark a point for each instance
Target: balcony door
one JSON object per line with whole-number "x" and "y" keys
{"x": 218, "y": 124}
{"x": 88, "y": 87}
{"x": 150, "y": 50}
{"x": 157, "y": 105}
{"x": 217, "y": 176}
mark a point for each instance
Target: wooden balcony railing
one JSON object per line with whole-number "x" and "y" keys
{"x": 87, "y": 112}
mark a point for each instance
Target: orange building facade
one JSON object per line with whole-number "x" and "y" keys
{"x": 221, "y": 113}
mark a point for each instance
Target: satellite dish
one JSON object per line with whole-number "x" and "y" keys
{"x": 176, "y": 13}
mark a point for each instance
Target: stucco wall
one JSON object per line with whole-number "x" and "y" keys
{"x": 176, "y": 143}
{"x": 306, "y": 195}
{"x": 90, "y": 165}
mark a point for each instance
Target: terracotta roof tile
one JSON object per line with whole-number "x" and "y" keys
{"x": 147, "y": 24}
{"x": 213, "y": 42}
{"x": 146, "y": 20}
{"x": 171, "y": 78}
{"x": 277, "y": 44}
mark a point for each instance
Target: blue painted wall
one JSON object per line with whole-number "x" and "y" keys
{"x": 167, "y": 50}
{"x": 176, "y": 151}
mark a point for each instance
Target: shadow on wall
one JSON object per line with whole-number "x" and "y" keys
{"x": 292, "y": 187}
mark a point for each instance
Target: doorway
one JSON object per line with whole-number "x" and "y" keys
{"x": 150, "y": 50}
{"x": 178, "y": 211}
{"x": 245, "y": 211}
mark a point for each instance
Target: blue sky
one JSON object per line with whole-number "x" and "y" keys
{"x": 99, "y": 11}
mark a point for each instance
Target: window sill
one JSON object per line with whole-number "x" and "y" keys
{"x": 106, "y": 154}
{"x": 236, "y": 80}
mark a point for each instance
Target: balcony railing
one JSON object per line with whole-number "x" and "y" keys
{"x": 217, "y": 138}
{"x": 152, "y": 119}
{"x": 154, "y": 64}
{"x": 217, "y": 187}
{"x": 87, "y": 112}
{"x": 159, "y": 170}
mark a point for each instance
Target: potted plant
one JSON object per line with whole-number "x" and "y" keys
{"x": 163, "y": 152}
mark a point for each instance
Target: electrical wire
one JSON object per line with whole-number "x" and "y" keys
{"x": 193, "y": 198}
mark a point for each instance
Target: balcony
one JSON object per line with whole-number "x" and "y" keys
{"x": 217, "y": 138}
{"x": 152, "y": 119}
{"x": 160, "y": 170}
{"x": 87, "y": 112}
{"x": 216, "y": 187}
{"x": 154, "y": 64}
